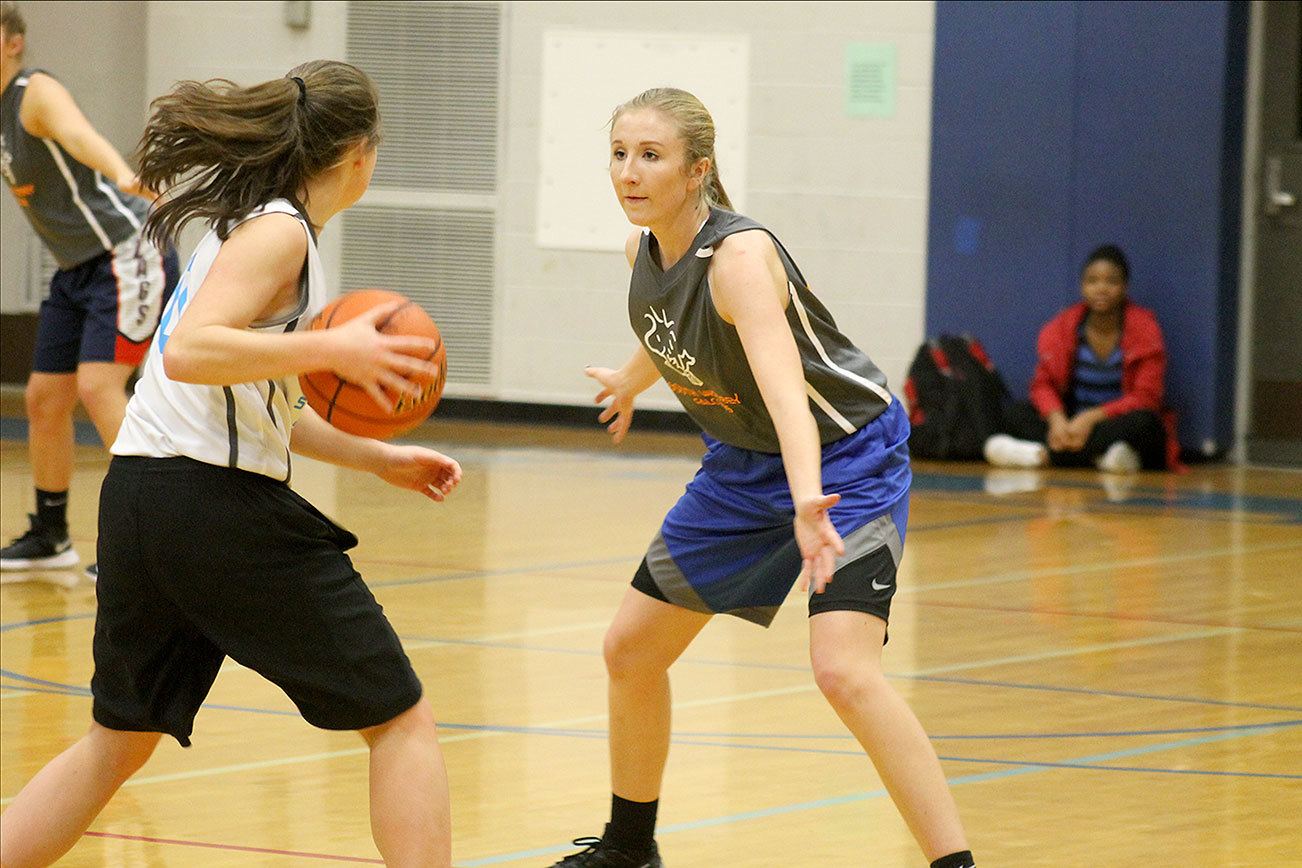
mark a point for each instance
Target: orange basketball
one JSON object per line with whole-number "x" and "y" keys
{"x": 348, "y": 407}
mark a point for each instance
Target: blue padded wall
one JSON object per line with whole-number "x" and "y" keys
{"x": 1057, "y": 127}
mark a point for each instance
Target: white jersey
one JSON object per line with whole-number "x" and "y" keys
{"x": 244, "y": 425}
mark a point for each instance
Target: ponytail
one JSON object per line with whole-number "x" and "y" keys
{"x": 715, "y": 195}
{"x": 216, "y": 151}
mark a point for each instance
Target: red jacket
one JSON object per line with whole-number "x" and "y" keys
{"x": 1143, "y": 368}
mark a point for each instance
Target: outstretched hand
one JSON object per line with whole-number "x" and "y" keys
{"x": 820, "y": 544}
{"x": 620, "y": 408}
{"x": 422, "y": 470}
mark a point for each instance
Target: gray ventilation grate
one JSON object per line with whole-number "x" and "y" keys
{"x": 441, "y": 259}
{"x": 436, "y": 65}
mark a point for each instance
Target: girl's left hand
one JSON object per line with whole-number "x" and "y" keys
{"x": 820, "y": 544}
{"x": 422, "y": 470}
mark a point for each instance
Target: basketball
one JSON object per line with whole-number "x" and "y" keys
{"x": 347, "y": 406}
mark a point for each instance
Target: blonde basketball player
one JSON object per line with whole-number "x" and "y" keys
{"x": 806, "y": 472}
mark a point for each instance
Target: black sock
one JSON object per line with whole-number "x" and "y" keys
{"x": 961, "y": 859}
{"x": 52, "y": 510}
{"x": 632, "y": 824}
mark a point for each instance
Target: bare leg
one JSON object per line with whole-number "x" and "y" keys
{"x": 645, "y": 638}
{"x": 49, "y": 815}
{"x": 846, "y": 651}
{"x": 50, "y": 399}
{"x": 410, "y": 808}
{"x": 102, "y": 389}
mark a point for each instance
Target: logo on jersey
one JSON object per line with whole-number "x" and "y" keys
{"x": 22, "y": 192}
{"x": 172, "y": 314}
{"x": 6, "y": 163}
{"x": 662, "y": 340}
{"x": 175, "y": 305}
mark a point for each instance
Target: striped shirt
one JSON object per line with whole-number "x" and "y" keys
{"x": 76, "y": 211}
{"x": 242, "y": 425}
{"x": 1095, "y": 381}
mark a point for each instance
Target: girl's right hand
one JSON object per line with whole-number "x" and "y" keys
{"x": 1059, "y": 437}
{"x": 375, "y": 361}
{"x": 615, "y": 386}
{"x": 819, "y": 543}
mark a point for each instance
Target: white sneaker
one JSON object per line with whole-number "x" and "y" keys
{"x": 1120, "y": 458}
{"x": 1002, "y": 450}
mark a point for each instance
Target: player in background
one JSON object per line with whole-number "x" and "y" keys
{"x": 88, "y": 208}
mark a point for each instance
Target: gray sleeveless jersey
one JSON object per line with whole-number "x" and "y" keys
{"x": 702, "y": 359}
{"x": 78, "y": 213}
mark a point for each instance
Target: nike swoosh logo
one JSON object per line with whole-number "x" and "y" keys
{"x": 877, "y": 587}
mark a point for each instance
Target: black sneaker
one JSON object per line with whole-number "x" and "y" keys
{"x": 599, "y": 855}
{"x": 92, "y": 572}
{"x": 39, "y": 549}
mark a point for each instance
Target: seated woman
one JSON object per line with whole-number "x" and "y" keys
{"x": 1097, "y": 393}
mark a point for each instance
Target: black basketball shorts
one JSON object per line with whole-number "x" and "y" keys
{"x": 199, "y": 562}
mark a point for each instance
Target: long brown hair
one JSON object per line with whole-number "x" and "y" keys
{"x": 695, "y": 125}
{"x": 216, "y": 150}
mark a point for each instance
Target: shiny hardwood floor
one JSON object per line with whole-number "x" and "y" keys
{"x": 1110, "y": 674}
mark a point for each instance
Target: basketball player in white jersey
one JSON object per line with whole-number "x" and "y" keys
{"x": 204, "y": 550}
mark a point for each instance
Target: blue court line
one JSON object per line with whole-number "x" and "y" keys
{"x": 14, "y": 625}
{"x": 40, "y": 685}
{"x": 852, "y": 798}
{"x": 687, "y": 739}
{"x": 506, "y": 571}
{"x": 1090, "y": 691}
{"x": 998, "y": 736}
{"x": 788, "y": 667}
{"x": 1285, "y": 509}
{"x": 1288, "y": 509}
{"x": 1012, "y": 762}
{"x": 797, "y": 667}
{"x": 84, "y": 433}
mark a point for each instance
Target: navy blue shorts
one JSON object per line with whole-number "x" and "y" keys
{"x": 728, "y": 546}
{"x": 106, "y": 309}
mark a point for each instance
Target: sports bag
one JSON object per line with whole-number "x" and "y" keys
{"x": 956, "y": 398}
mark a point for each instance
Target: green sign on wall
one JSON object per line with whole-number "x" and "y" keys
{"x": 870, "y": 79}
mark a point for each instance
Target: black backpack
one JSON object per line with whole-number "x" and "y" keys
{"x": 956, "y": 398}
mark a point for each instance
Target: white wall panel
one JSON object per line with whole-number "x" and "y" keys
{"x": 585, "y": 75}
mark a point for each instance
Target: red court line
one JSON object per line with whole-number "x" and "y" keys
{"x": 323, "y": 856}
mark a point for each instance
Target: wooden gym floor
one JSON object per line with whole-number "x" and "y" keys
{"x": 1110, "y": 674}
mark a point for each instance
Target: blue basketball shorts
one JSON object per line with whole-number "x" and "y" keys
{"x": 728, "y": 546}
{"x": 105, "y": 309}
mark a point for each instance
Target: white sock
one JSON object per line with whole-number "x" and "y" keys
{"x": 1120, "y": 458}
{"x": 1002, "y": 450}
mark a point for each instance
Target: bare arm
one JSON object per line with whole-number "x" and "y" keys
{"x": 255, "y": 274}
{"x": 748, "y": 285}
{"x": 49, "y": 112}
{"x": 637, "y": 375}
{"x": 412, "y": 467}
